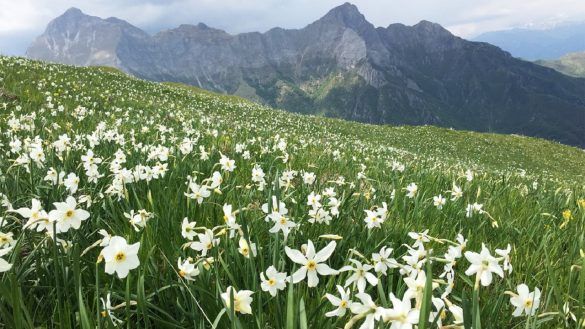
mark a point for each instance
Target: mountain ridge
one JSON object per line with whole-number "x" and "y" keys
{"x": 340, "y": 66}
{"x": 539, "y": 44}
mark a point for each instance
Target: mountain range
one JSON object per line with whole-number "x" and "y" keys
{"x": 339, "y": 66}
{"x": 539, "y": 44}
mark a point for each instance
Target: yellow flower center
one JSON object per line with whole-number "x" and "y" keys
{"x": 120, "y": 257}
{"x": 528, "y": 303}
{"x": 311, "y": 265}
{"x": 343, "y": 304}
{"x": 69, "y": 214}
{"x": 282, "y": 220}
{"x": 271, "y": 282}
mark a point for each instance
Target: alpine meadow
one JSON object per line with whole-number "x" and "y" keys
{"x": 128, "y": 203}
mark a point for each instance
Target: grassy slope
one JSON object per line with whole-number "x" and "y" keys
{"x": 528, "y": 218}
{"x": 570, "y": 64}
{"x": 491, "y": 152}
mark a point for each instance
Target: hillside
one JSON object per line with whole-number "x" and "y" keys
{"x": 339, "y": 66}
{"x": 182, "y": 174}
{"x": 572, "y": 64}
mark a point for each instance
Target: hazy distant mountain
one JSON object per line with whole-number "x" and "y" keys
{"x": 571, "y": 64}
{"x": 340, "y": 66}
{"x": 535, "y": 44}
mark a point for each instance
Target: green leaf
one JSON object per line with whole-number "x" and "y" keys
{"x": 290, "y": 307}
{"x": 302, "y": 315}
{"x": 426, "y": 306}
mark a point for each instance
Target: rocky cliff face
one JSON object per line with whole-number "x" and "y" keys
{"x": 340, "y": 66}
{"x": 79, "y": 39}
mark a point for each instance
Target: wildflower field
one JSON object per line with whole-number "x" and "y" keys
{"x": 126, "y": 203}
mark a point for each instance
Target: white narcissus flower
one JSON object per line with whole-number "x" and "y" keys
{"x": 229, "y": 217}
{"x": 469, "y": 175}
{"x": 402, "y": 314}
{"x": 415, "y": 258}
{"x": 198, "y": 192}
{"x": 6, "y": 239}
{"x": 36, "y": 217}
{"x": 242, "y": 300}
{"x": 420, "y": 238}
{"x": 312, "y": 263}
{"x": 372, "y": 220}
{"x": 383, "y": 262}
{"x": 439, "y": 201}
{"x": 483, "y": 265}
{"x": 383, "y": 211}
{"x": 105, "y": 240}
{"x": 187, "y": 269}
{"x": 334, "y": 204}
{"x": 66, "y": 215}
{"x": 457, "y": 313}
{"x": 246, "y": 249}
{"x": 360, "y": 276}
{"x": 314, "y": 200}
{"x": 120, "y": 257}
{"x": 473, "y": 208}
{"x": 367, "y": 307}
{"x": 343, "y": 302}
{"x": 228, "y": 214}
{"x": 440, "y": 312}
{"x": 319, "y": 215}
{"x": 525, "y": 301}
{"x": 71, "y": 183}
{"x": 138, "y": 219}
{"x": 416, "y": 283}
{"x": 4, "y": 265}
{"x": 309, "y": 178}
{"x": 206, "y": 242}
{"x": 227, "y": 164}
{"x": 412, "y": 189}
{"x": 273, "y": 281}
{"x": 54, "y": 177}
{"x": 456, "y": 193}
{"x": 278, "y": 210}
{"x": 505, "y": 254}
{"x": 216, "y": 180}
{"x": 283, "y": 224}
{"x": 188, "y": 229}
{"x": 108, "y": 308}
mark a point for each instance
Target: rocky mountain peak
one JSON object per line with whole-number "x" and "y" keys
{"x": 73, "y": 12}
{"x": 431, "y": 29}
{"x": 347, "y": 15}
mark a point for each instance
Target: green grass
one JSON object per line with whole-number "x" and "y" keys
{"x": 524, "y": 184}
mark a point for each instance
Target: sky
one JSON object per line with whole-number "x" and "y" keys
{"x": 22, "y": 20}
